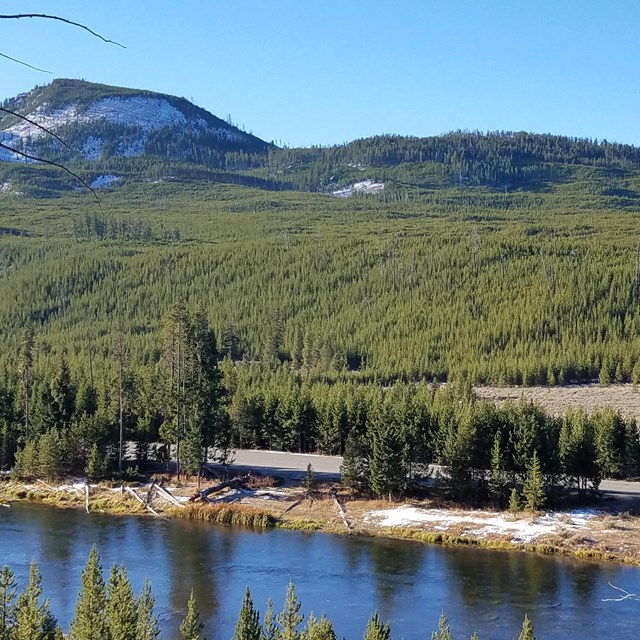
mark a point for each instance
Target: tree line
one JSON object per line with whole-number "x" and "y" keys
{"x": 195, "y": 405}
{"x": 109, "y": 610}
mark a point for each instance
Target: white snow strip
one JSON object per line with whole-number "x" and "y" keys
{"x": 522, "y": 530}
{"x": 368, "y": 187}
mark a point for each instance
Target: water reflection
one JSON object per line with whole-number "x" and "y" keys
{"x": 409, "y": 583}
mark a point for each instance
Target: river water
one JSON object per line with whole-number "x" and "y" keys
{"x": 348, "y": 578}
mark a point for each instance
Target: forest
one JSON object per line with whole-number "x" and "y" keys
{"x": 192, "y": 315}
{"x": 109, "y": 610}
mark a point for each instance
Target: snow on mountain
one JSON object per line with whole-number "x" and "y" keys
{"x": 120, "y": 123}
{"x": 367, "y": 187}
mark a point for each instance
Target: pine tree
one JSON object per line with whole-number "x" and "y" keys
{"x": 318, "y": 629}
{"x": 248, "y": 624}
{"x": 270, "y": 629}
{"x": 290, "y": 617}
{"x": 97, "y": 464}
{"x": 34, "y": 620}
{"x": 497, "y": 480}
{"x": 89, "y": 618}
{"x": 308, "y": 478}
{"x": 376, "y": 629}
{"x": 526, "y": 633}
{"x": 8, "y": 586}
{"x": 443, "y": 632}
{"x": 191, "y": 627}
{"x": 387, "y": 469}
{"x": 354, "y": 470}
{"x": 533, "y": 488}
{"x": 120, "y": 609}
{"x": 514, "y": 501}
{"x": 146, "y": 622}
{"x": 25, "y": 369}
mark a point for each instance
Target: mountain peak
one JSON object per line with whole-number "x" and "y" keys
{"x": 100, "y": 121}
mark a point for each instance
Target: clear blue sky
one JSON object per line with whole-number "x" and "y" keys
{"x": 329, "y": 71}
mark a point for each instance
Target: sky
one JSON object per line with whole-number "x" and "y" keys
{"x": 304, "y": 72}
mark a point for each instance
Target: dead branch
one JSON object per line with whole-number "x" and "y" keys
{"x": 28, "y": 156}
{"x": 23, "y": 63}
{"x": 625, "y": 595}
{"x": 46, "y": 16}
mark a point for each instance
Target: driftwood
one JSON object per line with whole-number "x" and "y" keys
{"x": 167, "y": 495}
{"x": 6, "y": 506}
{"x": 295, "y": 504}
{"x": 141, "y": 501}
{"x": 204, "y": 495}
{"x": 42, "y": 482}
{"x": 343, "y": 515}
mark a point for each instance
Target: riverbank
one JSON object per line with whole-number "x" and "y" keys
{"x": 581, "y": 533}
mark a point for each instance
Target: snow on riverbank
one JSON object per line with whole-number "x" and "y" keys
{"x": 483, "y": 524}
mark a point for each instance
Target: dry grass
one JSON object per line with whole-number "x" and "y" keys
{"x": 233, "y": 514}
{"x": 558, "y": 399}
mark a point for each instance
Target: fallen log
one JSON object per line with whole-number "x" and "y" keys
{"x": 167, "y": 495}
{"x": 42, "y": 482}
{"x": 223, "y": 485}
{"x": 141, "y": 501}
{"x": 295, "y": 504}
{"x": 341, "y": 511}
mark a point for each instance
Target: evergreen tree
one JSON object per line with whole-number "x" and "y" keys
{"x": 533, "y": 488}
{"x": 376, "y": 629}
{"x": 97, "y": 464}
{"x": 89, "y": 618}
{"x": 120, "y": 609}
{"x": 526, "y": 633}
{"x": 318, "y": 629}
{"x": 514, "y": 501}
{"x": 25, "y": 369}
{"x": 191, "y": 627}
{"x": 146, "y": 622}
{"x": 387, "y": 470}
{"x": 34, "y": 620}
{"x": 270, "y": 629}
{"x": 290, "y": 617}
{"x": 354, "y": 470}
{"x": 8, "y": 586}
{"x": 248, "y": 624}
{"x": 496, "y": 479}
{"x": 443, "y": 632}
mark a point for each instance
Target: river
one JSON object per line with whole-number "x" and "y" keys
{"x": 348, "y": 578}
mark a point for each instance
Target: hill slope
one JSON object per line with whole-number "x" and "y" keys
{"x": 99, "y": 122}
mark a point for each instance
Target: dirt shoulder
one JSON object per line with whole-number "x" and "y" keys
{"x": 583, "y": 533}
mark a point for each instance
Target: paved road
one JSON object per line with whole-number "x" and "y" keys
{"x": 294, "y": 465}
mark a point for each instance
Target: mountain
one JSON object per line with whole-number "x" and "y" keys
{"x": 99, "y": 122}
{"x": 114, "y": 135}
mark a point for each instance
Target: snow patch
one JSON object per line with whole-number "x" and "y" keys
{"x": 367, "y": 187}
{"x": 522, "y": 530}
{"x": 103, "y": 181}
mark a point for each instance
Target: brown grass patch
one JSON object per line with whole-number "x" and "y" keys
{"x": 233, "y": 514}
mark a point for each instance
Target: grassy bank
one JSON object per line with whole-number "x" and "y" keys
{"x": 610, "y": 538}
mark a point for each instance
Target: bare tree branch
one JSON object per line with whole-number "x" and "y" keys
{"x": 35, "y": 124}
{"x": 28, "y": 156}
{"x": 625, "y": 595}
{"x": 46, "y": 16}
{"x": 23, "y": 63}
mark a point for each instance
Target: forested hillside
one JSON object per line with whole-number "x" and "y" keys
{"x": 501, "y": 258}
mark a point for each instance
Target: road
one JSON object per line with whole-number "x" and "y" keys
{"x": 294, "y": 465}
